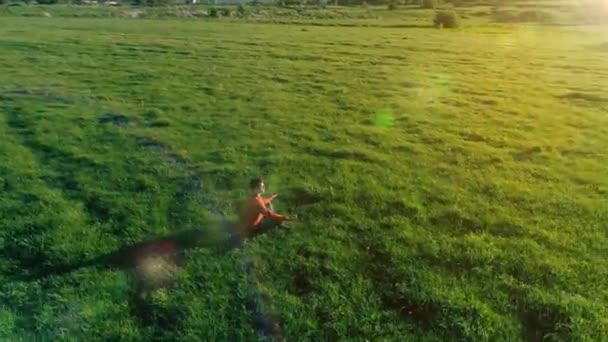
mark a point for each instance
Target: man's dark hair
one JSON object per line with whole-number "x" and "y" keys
{"x": 254, "y": 183}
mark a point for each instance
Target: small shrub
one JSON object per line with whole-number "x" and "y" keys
{"x": 446, "y": 19}
{"x": 241, "y": 11}
{"x": 225, "y": 12}
{"x": 393, "y": 5}
{"x": 213, "y": 12}
{"x": 429, "y": 4}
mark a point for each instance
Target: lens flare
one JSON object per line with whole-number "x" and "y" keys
{"x": 383, "y": 118}
{"x": 157, "y": 263}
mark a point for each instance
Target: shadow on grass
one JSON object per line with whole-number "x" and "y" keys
{"x": 170, "y": 247}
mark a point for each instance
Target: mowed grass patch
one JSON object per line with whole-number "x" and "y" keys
{"x": 450, "y": 183}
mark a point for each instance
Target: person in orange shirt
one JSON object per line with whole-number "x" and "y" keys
{"x": 257, "y": 214}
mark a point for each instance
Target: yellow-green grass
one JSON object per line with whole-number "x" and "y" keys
{"x": 456, "y": 182}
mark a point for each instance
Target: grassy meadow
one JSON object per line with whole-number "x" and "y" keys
{"x": 451, "y": 184}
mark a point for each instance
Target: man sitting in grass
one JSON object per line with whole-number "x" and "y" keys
{"x": 257, "y": 214}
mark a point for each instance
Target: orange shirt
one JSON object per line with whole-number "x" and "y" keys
{"x": 254, "y": 210}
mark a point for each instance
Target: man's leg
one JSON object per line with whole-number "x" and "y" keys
{"x": 268, "y": 224}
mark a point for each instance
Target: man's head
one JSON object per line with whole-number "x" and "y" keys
{"x": 257, "y": 186}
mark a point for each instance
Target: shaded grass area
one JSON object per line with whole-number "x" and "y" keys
{"x": 476, "y": 208}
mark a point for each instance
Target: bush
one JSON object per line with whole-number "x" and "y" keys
{"x": 446, "y": 19}
{"x": 393, "y": 5}
{"x": 430, "y": 4}
{"x": 213, "y": 12}
{"x": 241, "y": 11}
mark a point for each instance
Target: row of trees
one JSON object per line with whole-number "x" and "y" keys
{"x": 360, "y": 2}
{"x": 395, "y": 3}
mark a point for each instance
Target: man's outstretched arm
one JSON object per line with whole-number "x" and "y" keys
{"x": 268, "y": 200}
{"x": 267, "y": 212}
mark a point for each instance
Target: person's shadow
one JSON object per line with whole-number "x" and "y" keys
{"x": 220, "y": 239}
{"x": 170, "y": 248}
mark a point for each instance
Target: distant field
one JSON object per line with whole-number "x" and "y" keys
{"x": 452, "y": 184}
{"x": 472, "y": 13}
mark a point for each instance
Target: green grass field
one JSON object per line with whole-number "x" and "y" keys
{"x": 452, "y": 184}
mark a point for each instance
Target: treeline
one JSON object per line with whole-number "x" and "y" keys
{"x": 422, "y": 3}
